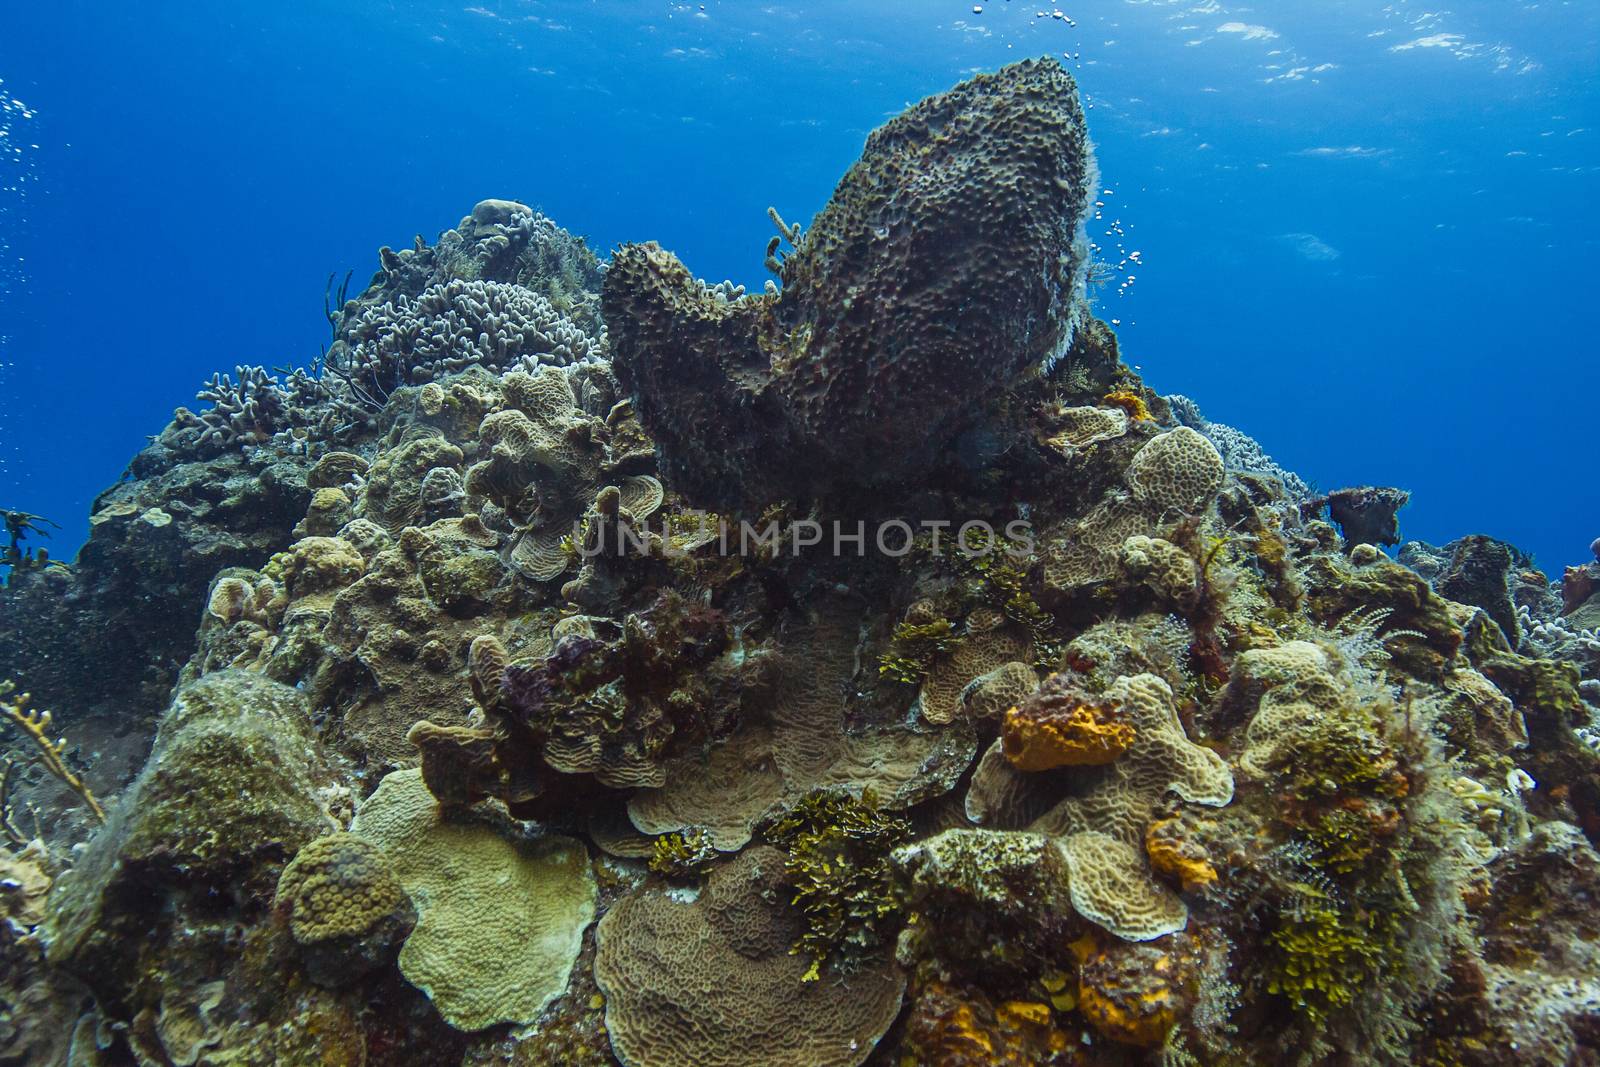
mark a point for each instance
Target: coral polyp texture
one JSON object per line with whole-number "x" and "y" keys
{"x": 499, "y": 923}
{"x": 1177, "y": 471}
{"x": 714, "y": 982}
{"x": 471, "y": 737}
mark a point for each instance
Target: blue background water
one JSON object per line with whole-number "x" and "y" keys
{"x": 1368, "y": 233}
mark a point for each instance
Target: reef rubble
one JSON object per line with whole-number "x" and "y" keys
{"x": 584, "y": 664}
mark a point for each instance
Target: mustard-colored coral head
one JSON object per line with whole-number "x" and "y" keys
{"x": 337, "y": 886}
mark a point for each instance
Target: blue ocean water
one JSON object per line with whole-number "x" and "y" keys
{"x": 1366, "y": 232}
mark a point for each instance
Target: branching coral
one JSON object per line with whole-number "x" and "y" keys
{"x": 19, "y": 524}
{"x": 34, "y": 726}
{"x": 248, "y": 411}
{"x": 447, "y": 327}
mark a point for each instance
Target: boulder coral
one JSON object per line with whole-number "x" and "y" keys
{"x": 346, "y": 909}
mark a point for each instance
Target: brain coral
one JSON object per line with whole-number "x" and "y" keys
{"x": 500, "y": 923}
{"x": 981, "y": 652}
{"x": 713, "y": 983}
{"x": 1163, "y": 567}
{"x": 1179, "y": 470}
{"x": 914, "y": 232}
{"x": 1090, "y": 551}
{"x": 1102, "y": 828}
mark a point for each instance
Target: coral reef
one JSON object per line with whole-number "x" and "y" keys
{"x": 1474, "y": 570}
{"x": 483, "y": 745}
{"x": 107, "y": 637}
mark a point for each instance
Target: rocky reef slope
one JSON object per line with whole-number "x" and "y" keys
{"x": 584, "y": 664}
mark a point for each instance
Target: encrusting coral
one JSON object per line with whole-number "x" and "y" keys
{"x": 453, "y": 666}
{"x": 707, "y": 983}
